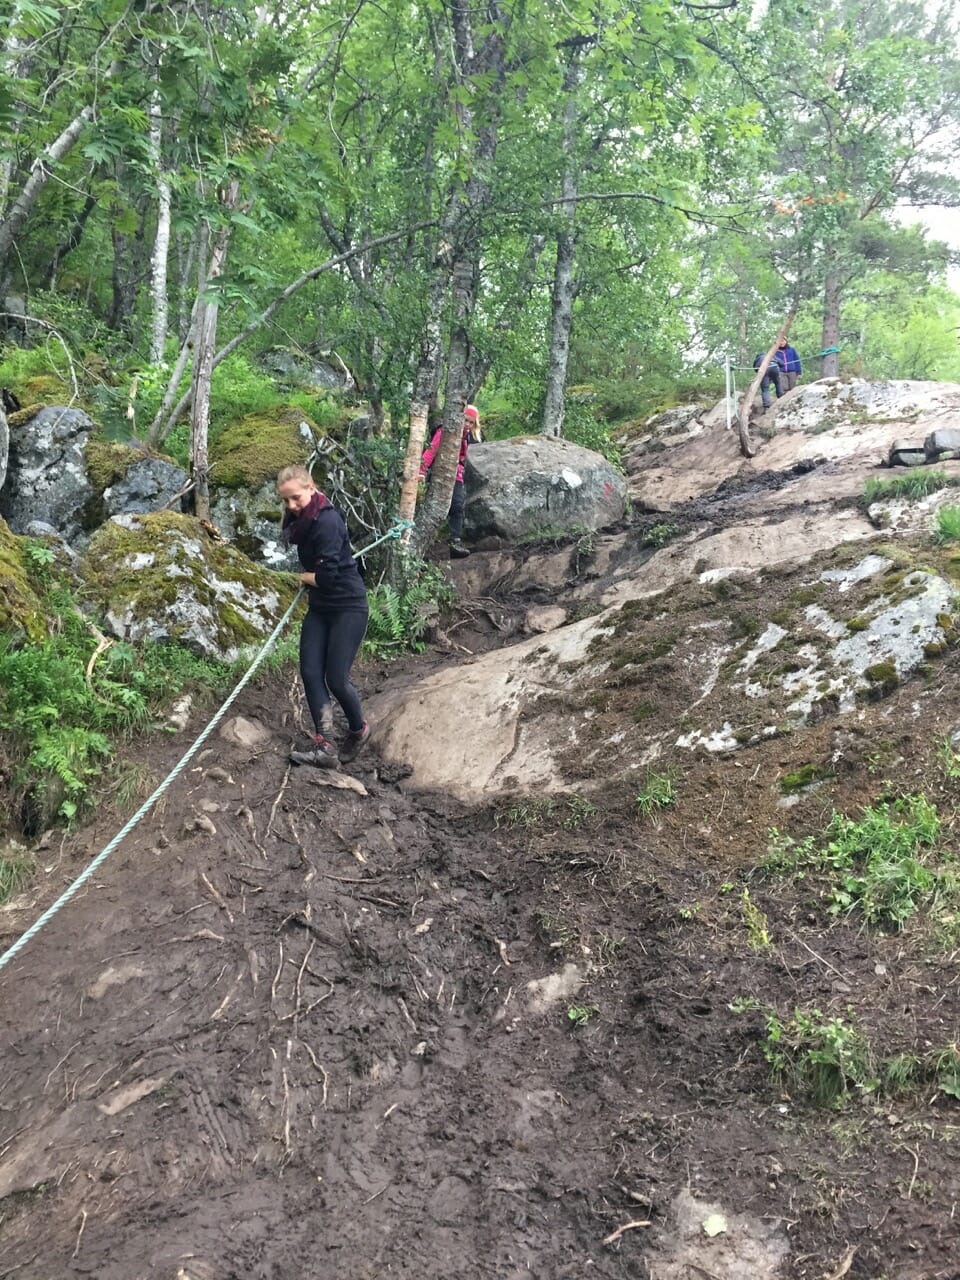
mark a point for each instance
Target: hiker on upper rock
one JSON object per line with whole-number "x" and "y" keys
{"x": 788, "y": 362}
{"x": 336, "y": 617}
{"x": 770, "y": 379}
{"x": 471, "y": 435}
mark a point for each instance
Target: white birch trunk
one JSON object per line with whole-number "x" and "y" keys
{"x": 161, "y": 244}
{"x": 12, "y": 222}
{"x": 561, "y": 309}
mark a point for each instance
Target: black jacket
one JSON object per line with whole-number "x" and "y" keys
{"x": 326, "y": 552}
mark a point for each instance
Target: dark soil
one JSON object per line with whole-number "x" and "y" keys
{"x": 286, "y": 1032}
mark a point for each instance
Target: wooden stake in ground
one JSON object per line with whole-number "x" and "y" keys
{"x": 746, "y": 448}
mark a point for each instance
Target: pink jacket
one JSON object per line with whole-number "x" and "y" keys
{"x": 426, "y": 462}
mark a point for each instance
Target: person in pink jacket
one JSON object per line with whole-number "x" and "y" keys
{"x": 471, "y": 435}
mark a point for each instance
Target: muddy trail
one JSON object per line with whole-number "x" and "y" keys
{"x": 304, "y": 1024}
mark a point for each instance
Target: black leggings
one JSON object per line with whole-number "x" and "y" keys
{"x": 455, "y": 516}
{"x": 329, "y": 642}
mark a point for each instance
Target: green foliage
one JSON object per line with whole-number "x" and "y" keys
{"x": 948, "y": 525}
{"x": 16, "y": 868}
{"x": 400, "y": 615}
{"x": 826, "y": 1057}
{"x": 660, "y": 534}
{"x": 916, "y": 483}
{"x": 831, "y": 1058}
{"x": 657, "y": 792}
{"x": 948, "y": 758}
{"x": 755, "y": 921}
{"x": 580, "y": 1014}
{"x": 878, "y": 864}
{"x": 582, "y": 428}
{"x": 57, "y": 723}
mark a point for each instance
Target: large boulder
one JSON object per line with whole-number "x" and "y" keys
{"x": 297, "y": 369}
{"x": 47, "y": 477}
{"x": 161, "y": 577}
{"x": 537, "y": 485}
{"x": 148, "y": 484}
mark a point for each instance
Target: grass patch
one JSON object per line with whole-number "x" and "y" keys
{"x": 16, "y": 868}
{"x": 917, "y": 483}
{"x": 878, "y": 864}
{"x": 658, "y": 792}
{"x": 831, "y": 1058}
{"x": 948, "y": 525}
{"x": 569, "y": 812}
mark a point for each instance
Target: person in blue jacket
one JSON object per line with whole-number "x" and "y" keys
{"x": 336, "y": 617}
{"x": 789, "y": 364}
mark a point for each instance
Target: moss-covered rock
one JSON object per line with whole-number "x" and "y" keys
{"x": 21, "y": 612}
{"x": 108, "y": 460}
{"x": 161, "y": 577}
{"x": 250, "y": 452}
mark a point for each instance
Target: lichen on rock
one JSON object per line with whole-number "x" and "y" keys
{"x": 250, "y": 452}
{"x": 160, "y": 577}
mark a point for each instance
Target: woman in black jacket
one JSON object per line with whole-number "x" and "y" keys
{"x": 336, "y": 619}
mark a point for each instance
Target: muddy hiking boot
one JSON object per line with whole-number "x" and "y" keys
{"x": 354, "y": 743}
{"x": 457, "y": 550}
{"x": 322, "y": 755}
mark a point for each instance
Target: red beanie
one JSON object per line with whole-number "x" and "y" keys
{"x": 471, "y": 412}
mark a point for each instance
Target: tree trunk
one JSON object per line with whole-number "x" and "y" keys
{"x": 205, "y": 345}
{"x": 746, "y": 447}
{"x": 12, "y": 222}
{"x": 4, "y": 446}
{"x": 561, "y": 307}
{"x": 425, "y": 385}
{"x": 830, "y": 333}
{"x": 464, "y": 217}
{"x": 124, "y": 280}
{"x": 161, "y": 243}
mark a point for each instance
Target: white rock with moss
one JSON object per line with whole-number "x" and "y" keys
{"x": 161, "y": 578}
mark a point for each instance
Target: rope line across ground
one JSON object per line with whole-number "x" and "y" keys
{"x": 399, "y": 526}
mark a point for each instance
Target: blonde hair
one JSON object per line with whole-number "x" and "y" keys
{"x": 294, "y": 472}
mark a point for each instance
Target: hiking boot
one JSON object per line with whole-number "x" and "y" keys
{"x": 326, "y": 720}
{"x": 457, "y": 550}
{"x": 353, "y": 743}
{"x": 322, "y": 755}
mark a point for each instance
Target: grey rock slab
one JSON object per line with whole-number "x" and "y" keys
{"x": 46, "y": 475}
{"x": 149, "y": 485}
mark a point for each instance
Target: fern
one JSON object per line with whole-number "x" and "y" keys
{"x": 399, "y": 616}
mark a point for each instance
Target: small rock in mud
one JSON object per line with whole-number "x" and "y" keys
{"x": 244, "y": 732}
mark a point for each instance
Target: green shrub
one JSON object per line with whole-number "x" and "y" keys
{"x": 57, "y": 719}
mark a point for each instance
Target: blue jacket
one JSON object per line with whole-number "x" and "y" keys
{"x": 788, "y": 360}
